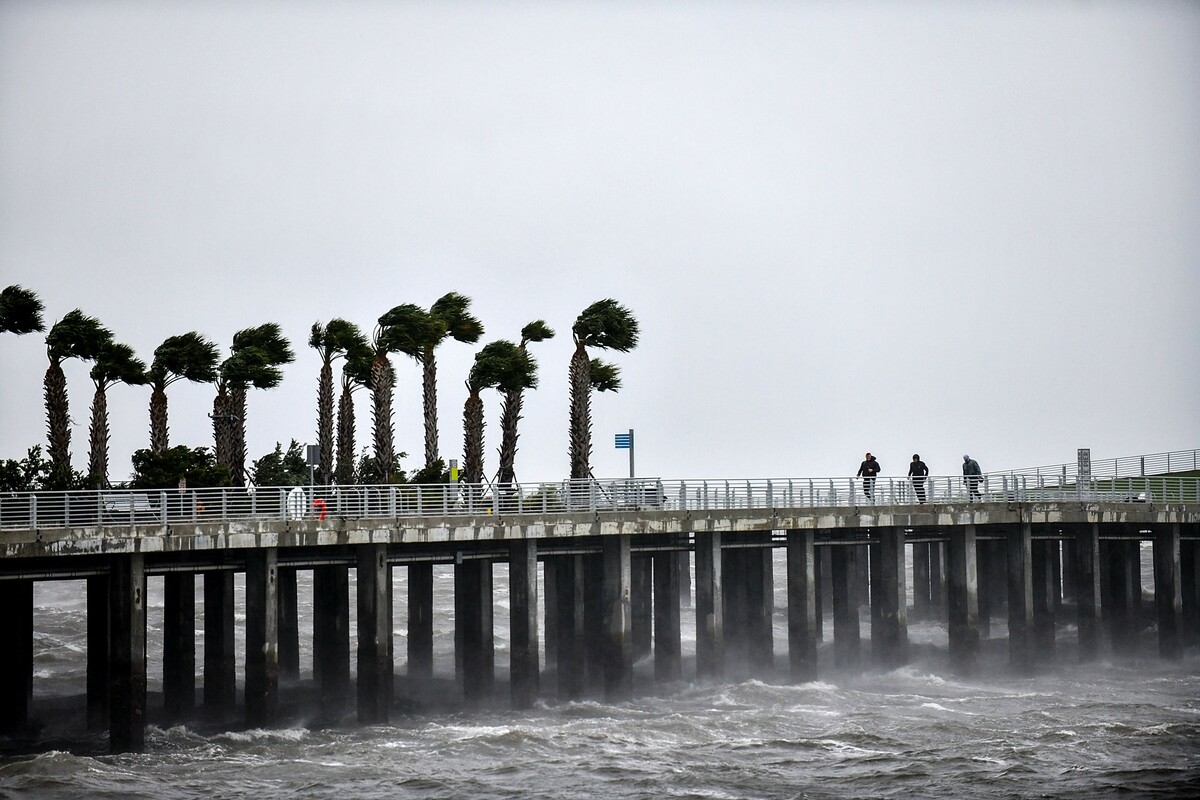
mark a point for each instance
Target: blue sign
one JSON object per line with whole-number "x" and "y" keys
{"x": 624, "y": 441}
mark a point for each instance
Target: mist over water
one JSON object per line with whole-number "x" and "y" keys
{"x": 1117, "y": 727}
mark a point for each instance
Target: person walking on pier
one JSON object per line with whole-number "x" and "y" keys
{"x": 918, "y": 472}
{"x": 971, "y": 473}
{"x": 867, "y": 471}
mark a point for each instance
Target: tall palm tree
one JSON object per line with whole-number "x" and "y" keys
{"x": 452, "y": 319}
{"x": 356, "y": 372}
{"x": 331, "y": 342}
{"x": 20, "y": 311}
{"x": 608, "y": 325}
{"x": 407, "y": 329}
{"x": 115, "y": 363}
{"x": 188, "y": 356}
{"x": 514, "y": 398}
{"x": 76, "y": 335}
{"x": 255, "y": 360}
{"x": 500, "y": 364}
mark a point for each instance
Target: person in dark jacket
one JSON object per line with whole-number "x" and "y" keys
{"x": 867, "y": 471}
{"x": 971, "y": 473}
{"x": 918, "y": 472}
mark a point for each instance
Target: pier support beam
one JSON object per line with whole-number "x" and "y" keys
{"x": 668, "y": 654}
{"x": 331, "y": 637}
{"x": 1189, "y": 564}
{"x": 760, "y": 605}
{"x": 846, "y": 634}
{"x": 889, "y": 593}
{"x": 289, "y": 625}
{"x": 98, "y": 687}
{"x": 962, "y": 589}
{"x": 710, "y": 614}
{"x": 1122, "y": 557}
{"x": 16, "y": 668}
{"x": 262, "y": 637}
{"x": 475, "y": 630}
{"x": 1168, "y": 599}
{"x": 420, "y": 621}
{"x": 523, "y": 622}
{"x": 1045, "y": 595}
{"x": 568, "y": 613}
{"x": 127, "y": 654}
{"x": 617, "y": 619}
{"x": 735, "y": 598}
{"x": 921, "y": 590}
{"x": 1086, "y": 558}
{"x": 220, "y": 672}
{"x": 937, "y": 580}
{"x": 179, "y": 645}
{"x": 641, "y": 598}
{"x": 802, "y": 571}
{"x": 375, "y": 663}
{"x": 1020, "y": 597}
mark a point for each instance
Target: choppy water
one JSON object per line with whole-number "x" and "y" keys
{"x": 1128, "y": 728}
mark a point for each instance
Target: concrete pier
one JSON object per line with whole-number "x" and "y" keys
{"x": 608, "y": 584}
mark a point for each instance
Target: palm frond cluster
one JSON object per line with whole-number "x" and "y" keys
{"x": 255, "y": 361}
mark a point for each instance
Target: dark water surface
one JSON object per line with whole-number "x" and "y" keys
{"x": 1116, "y": 728}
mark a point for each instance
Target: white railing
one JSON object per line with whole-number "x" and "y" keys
{"x": 1124, "y": 467}
{"x": 84, "y": 509}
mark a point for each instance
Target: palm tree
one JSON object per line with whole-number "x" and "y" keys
{"x": 608, "y": 325}
{"x": 115, "y": 363}
{"x": 254, "y": 361}
{"x": 514, "y": 398}
{"x": 449, "y": 314}
{"x": 500, "y": 364}
{"x": 20, "y": 311}
{"x": 76, "y": 335}
{"x": 407, "y": 329}
{"x": 356, "y": 372}
{"x": 188, "y": 356}
{"x": 331, "y": 342}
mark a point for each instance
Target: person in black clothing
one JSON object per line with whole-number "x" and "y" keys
{"x": 918, "y": 471}
{"x": 867, "y": 471}
{"x": 971, "y": 473}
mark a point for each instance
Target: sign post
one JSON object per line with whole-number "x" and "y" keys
{"x": 624, "y": 441}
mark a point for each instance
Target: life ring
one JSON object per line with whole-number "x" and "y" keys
{"x": 319, "y": 508}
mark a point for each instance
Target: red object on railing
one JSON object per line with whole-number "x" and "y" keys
{"x": 319, "y": 508}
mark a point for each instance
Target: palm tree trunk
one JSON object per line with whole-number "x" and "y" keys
{"x": 429, "y": 398}
{"x": 159, "y": 436}
{"x": 382, "y": 379}
{"x": 58, "y": 426}
{"x": 325, "y": 423}
{"x": 473, "y": 439}
{"x": 581, "y": 414}
{"x": 345, "y": 438}
{"x": 98, "y": 435}
{"x": 223, "y": 435}
{"x": 237, "y": 426}
{"x": 510, "y": 416}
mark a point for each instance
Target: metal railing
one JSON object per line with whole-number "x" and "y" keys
{"x": 1124, "y": 467}
{"x": 123, "y": 508}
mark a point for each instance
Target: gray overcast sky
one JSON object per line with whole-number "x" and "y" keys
{"x": 933, "y": 227}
